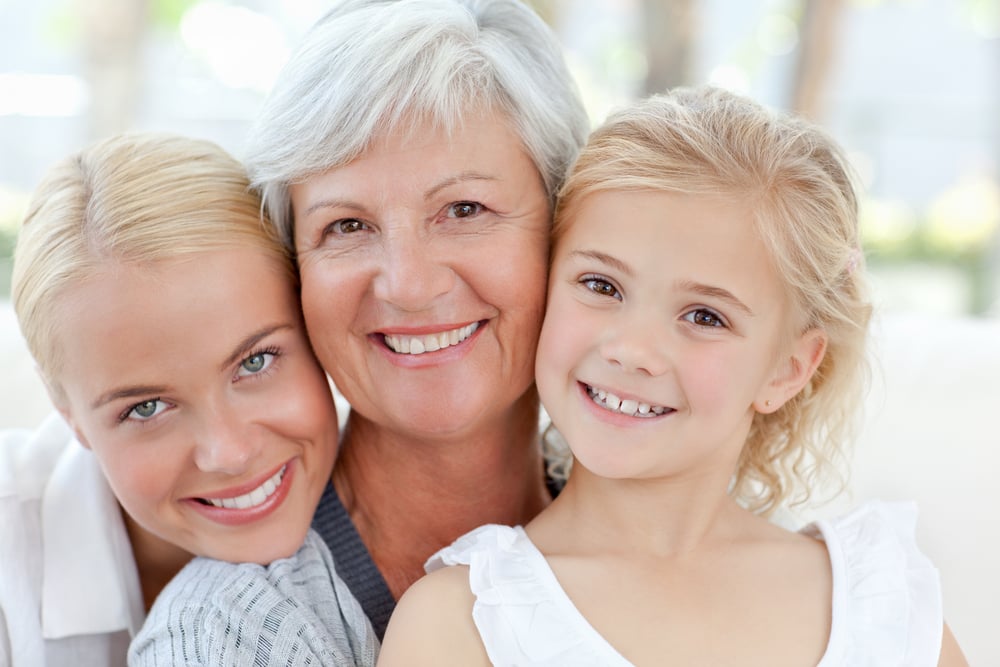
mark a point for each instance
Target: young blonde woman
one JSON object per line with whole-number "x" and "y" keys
{"x": 193, "y": 421}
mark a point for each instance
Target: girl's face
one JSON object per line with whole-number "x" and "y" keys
{"x": 666, "y": 328}
{"x": 193, "y": 383}
{"x": 423, "y": 269}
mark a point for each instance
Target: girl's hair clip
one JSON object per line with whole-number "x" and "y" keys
{"x": 853, "y": 260}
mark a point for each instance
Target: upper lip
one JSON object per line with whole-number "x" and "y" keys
{"x": 244, "y": 487}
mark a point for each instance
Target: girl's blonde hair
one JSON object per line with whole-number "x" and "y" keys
{"x": 133, "y": 198}
{"x": 797, "y": 183}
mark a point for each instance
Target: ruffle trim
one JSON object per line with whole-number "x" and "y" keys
{"x": 887, "y": 594}
{"x": 521, "y": 613}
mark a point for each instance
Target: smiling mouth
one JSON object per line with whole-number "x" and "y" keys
{"x": 248, "y": 500}
{"x": 629, "y": 407}
{"x": 430, "y": 343}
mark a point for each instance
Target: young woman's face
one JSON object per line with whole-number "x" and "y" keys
{"x": 193, "y": 383}
{"x": 423, "y": 269}
{"x": 664, "y": 328}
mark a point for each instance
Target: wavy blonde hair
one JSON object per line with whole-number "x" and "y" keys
{"x": 707, "y": 141}
{"x": 138, "y": 198}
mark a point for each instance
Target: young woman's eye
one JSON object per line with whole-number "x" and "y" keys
{"x": 601, "y": 286}
{"x": 704, "y": 318}
{"x": 145, "y": 410}
{"x": 255, "y": 363}
{"x": 464, "y": 209}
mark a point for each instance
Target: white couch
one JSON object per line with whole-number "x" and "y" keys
{"x": 931, "y": 434}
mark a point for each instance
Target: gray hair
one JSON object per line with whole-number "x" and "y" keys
{"x": 372, "y": 66}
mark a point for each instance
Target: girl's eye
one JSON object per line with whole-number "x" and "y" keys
{"x": 601, "y": 286}
{"x": 704, "y": 318}
{"x": 255, "y": 363}
{"x": 464, "y": 209}
{"x": 146, "y": 409}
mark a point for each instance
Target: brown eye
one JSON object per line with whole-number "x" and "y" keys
{"x": 601, "y": 286}
{"x": 704, "y": 318}
{"x": 464, "y": 209}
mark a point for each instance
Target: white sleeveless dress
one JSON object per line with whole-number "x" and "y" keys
{"x": 886, "y": 596}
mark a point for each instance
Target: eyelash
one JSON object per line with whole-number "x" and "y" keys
{"x": 271, "y": 350}
{"x": 720, "y": 321}
{"x": 591, "y": 280}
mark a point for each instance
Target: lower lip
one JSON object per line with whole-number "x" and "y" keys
{"x": 231, "y": 516}
{"x": 615, "y": 418}
{"x": 427, "y": 359}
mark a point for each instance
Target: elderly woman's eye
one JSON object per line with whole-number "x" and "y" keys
{"x": 464, "y": 209}
{"x": 348, "y": 226}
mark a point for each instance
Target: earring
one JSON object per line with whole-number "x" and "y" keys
{"x": 767, "y": 404}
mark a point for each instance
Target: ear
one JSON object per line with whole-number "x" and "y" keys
{"x": 792, "y": 372}
{"x": 61, "y": 404}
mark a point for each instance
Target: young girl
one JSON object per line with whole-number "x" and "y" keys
{"x": 194, "y": 420}
{"x": 702, "y": 354}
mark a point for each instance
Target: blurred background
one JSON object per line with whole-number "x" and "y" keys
{"x": 911, "y": 88}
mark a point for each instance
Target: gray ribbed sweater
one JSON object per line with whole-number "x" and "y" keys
{"x": 296, "y": 611}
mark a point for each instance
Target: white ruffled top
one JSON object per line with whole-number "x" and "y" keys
{"x": 886, "y": 595}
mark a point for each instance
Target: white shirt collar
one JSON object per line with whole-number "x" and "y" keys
{"x": 90, "y": 583}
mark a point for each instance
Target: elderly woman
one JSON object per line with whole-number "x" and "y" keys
{"x": 409, "y": 154}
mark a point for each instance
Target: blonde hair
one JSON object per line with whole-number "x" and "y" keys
{"x": 134, "y": 198}
{"x": 798, "y": 185}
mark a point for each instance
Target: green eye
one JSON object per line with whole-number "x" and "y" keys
{"x": 146, "y": 409}
{"x": 255, "y": 364}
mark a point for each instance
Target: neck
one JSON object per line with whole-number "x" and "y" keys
{"x": 410, "y": 495}
{"x": 659, "y": 517}
{"x": 156, "y": 560}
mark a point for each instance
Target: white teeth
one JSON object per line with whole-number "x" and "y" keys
{"x": 430, "y": 343}
{"x": 630, "y": 407}
{"x": 254, "y": 498}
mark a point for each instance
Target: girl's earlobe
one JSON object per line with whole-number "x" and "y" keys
{"x": 793, "y": 372}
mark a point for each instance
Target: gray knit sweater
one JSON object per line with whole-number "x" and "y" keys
{"x": 295, "y": 611}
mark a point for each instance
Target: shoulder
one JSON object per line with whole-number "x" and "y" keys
{"x": 219, "y": 613}
{"x": 29, "y": 456}
{"x": 433, "y": 622}
{"x": 887, "y": 593}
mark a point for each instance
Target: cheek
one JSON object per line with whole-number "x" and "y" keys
{"x": 141, "y": 475}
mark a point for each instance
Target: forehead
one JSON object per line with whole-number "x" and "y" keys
{"x": 130, "y": 315}
{"x": 674, "y": 236}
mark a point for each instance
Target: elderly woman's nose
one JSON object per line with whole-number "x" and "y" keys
{"x": 412, "y": 274}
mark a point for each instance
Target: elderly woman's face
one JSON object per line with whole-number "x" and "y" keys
{"x": 423, "y": 268}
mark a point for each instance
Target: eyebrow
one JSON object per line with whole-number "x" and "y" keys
{"x": 717, "y": 293}
{"x": 249, "y": 342}
{"x": 135, "y": 391}
{"x": 436, "y": 188}
{"x": 604, "y": 258}
{"x": 460, "y": 178}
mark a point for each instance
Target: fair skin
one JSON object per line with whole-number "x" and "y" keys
{"x": 208, "y": 396}
{"x": 667, "y": 329}
{"x": 421, "y": 264}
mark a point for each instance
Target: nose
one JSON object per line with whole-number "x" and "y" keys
{"x": 225, "y": 442}
{"x": 413, "y": 273}
{"x": 637, "y": 345}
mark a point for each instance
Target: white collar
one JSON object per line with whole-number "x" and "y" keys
{"x": 90, "y": 584}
